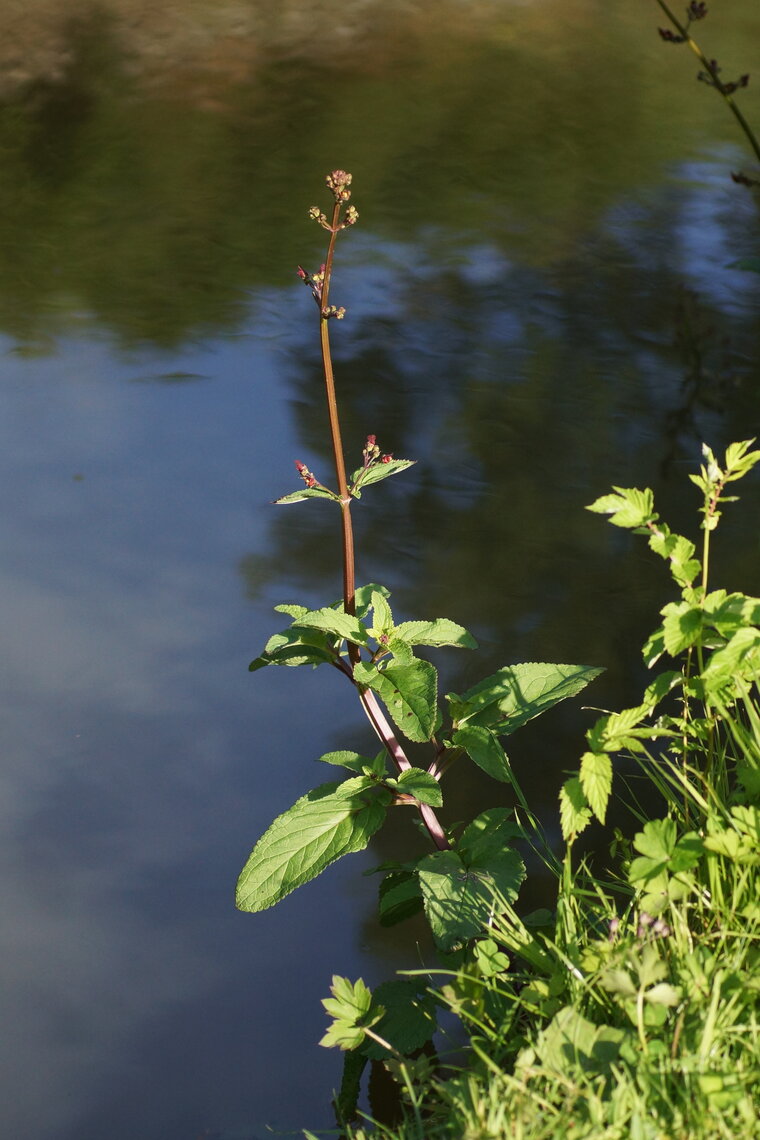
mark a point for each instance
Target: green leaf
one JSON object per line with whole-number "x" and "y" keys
{"x": 400, "y": 897}
{"x": 306, "y": 493}
{"x": 347, "y": 1099}
{"x": 596, "y": 781}
{"x": 681, "y": 627}
{"x": 409, "y": 693}
{"x": 363, "y": 597}
{"x": 484, "y": 749}
{"x": 739, "y": 657}
{"x": 354, "y": 762}
{"x": 420, "y": 784}
{"x": 352, "y": 1010}
{"x": 657, "y": 840}
{"x": 337, "y": 622}
{"x": 728, "y": 613}
{"x": 401, "y": 651}
{"x": 488, "y": 835}
{"x": 517, "y": 693}
{"x": 460, "y": 897}
{"x": 571, "y": 1043}
{"x": 740, "y": 460}
{"x": 628, "y": 507}
{"x": 574, "y": 812}
{"x": 680, "y": 553}
{"x": 663, "y": 853}
{"x": 376, "y": 473}
{"x": 293, "y": 611}
{"x": 408, "y": 1021}
{"x": 490, "y": 958}
{"x": 295, "y": 646}
{"x": 328, "y": 822}
{"x": 382, "y": 623}
{"x": 438, "y": 632}
{"x": 653, "y": 648}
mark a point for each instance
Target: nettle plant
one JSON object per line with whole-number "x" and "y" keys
{"x": 700, "y": 750}
{"x": 455, "y": 881}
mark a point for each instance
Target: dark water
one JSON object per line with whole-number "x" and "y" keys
{"x": 540, "y": 305}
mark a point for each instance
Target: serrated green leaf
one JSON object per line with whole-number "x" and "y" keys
{"x": 653, "y": 648}
{"x": 485, "y": 750}
{"x": 681, "y": 627}
{"x": 347, "y": 1099}
{"x": 459, "y": 898}
{"x": 363, "y": 597}
{"x": 328, "y": 822}
{"x": 306, "y": 493}
{"x": 400, "y": 651}
{"x": 295, "y": 647}
{"x": 350, "y": 1000}
{"x": 409, "y": 692}
{"x": 729, "y": 612}
{"x": 488, "y": 835}
{"x": 291, "y": 610}
{"x": 517, "y": 693}
{"x": 353, "y": 761}
{"x": 438, "y": 632}
{"x": 739, "y": 459}
{"x": 657, "y": 840}
{"x": 739, "y": 657}
{"x": 408, "y": 1021}
{"x": 628, "y": 507}
{"x": 574, "y": 813}
{"x": 616, "y": 731}
{"x": 596, "y": 781}
{"x": 679, "y": 551}
{"x": 382, "y": 623}
{"x": 420, "y": 784}
{"x": 376, "y": 473}
{"x": 294, "y": 656}
{"x": 336, "y": 622}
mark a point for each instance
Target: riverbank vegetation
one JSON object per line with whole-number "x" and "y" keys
{"x": 631, "y": 1007}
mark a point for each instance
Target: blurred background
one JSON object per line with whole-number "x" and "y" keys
{"x": 541, "y": 303}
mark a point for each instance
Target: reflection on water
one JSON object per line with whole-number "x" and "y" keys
{"x": 540, "y": 304}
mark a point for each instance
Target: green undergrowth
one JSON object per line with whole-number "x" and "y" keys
{"x": 632, "y": 1009}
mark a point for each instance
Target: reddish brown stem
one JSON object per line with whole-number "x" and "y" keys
{"x": 349, "y": 578}
{"x": 369, "y": 701}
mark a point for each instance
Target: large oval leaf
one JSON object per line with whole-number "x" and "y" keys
{"x": 332, "y": 820}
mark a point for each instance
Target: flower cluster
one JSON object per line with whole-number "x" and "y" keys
{"x": 305, "y": 474}
{"x": 654, "y": 926}
{"x": 338, "y": 182}
{"x": 647, "y": 926}
{"x": 711, "y": 79}
{"x": 697, "y": 10}
{"x": 372, "y": 453}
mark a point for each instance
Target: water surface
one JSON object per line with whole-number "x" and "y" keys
{"x": 540, "y": 303}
